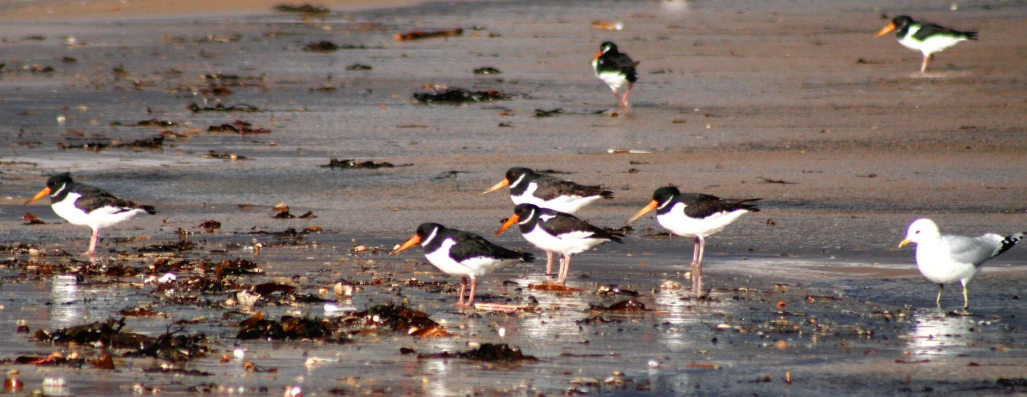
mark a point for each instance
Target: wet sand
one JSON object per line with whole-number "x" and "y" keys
{"x": 730, "y": 97}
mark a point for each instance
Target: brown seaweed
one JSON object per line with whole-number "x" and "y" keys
{"x": 418, "y": 34}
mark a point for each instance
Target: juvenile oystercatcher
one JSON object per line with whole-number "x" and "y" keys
{"x": 530, "y": 187}
{"x": 460, "y": 253}
{"x": 947, "y": 259}
{"x": 81, "y": 204}
{"x": 555, "y": 231}
{"x": 616, "y": 69}
{"x": 695, "y": 215}
{"x": 927, "y": 38}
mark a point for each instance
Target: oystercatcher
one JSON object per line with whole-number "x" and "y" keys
{"x": 460, "y": 253}
{"x": 555, "y": 231}
{"x": 81, "y": 204}
{"x": 530, "y": 187}
{"x": 695, "y": 215}
{"x": 947, "y": 259}
{"x": 927, "y": 38}
{"x": 616, "y": 69}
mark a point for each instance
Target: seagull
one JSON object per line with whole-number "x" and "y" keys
{"x": 530, "y": 187}
{"x": 695, "y": 215}
{"x": 81, "y": 204}
{"x": 947, "y": 259}
{"x": 616, "y": 69}
{"x": 927, "y": 38}
{"x": 459, "y": 253}
{"x": 554, "y": 231}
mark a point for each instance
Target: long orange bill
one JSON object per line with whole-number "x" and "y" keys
{"x": 598, "y": 54}
{"x": 509, "y": 222}
{"x": 652, "y": 205}
{"x": 41, "y": 194}
{"x": 500, "y": 185}
{"x": 409, "y": 243}
{"x": 889, "y": 28}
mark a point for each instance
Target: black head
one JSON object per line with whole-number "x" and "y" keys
{"x": 426, "y": 229}
{"x": 58, "y": 180}
{"x": 516, "y": 172}
{"x": 608, "y": 47}
{"x": 901, "y": 22}
{"x": 664, "y": 194}
{"x": 526, "y": 211}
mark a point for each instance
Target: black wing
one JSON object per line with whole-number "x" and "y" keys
{"x": 704, "y": 205}
{"x": 93, "y": 198}
{"x": 624, "y": 63}
{"x": 565, "y": 223}
{"x": 550, "y": 187}
{"x": 929, "y": 29}
{"x": 471, "y": 245}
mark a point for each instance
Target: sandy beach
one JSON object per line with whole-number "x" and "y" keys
{"x": 795, "y": 103}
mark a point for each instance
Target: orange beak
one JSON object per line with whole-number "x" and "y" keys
{"x": 41, "y": 194}
{"x": 409, "y": 243}
{"x": 889, "y": 28}
{"x": 503, "y": 183}
{"x": 509, "y": 222}
{"x": 652, "y": 205}
{"x": 598, "y": 54}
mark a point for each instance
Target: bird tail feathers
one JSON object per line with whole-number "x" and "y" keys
{"x": 1009, "y": 242}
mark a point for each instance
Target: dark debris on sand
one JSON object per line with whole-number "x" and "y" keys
{"x": 238, "y": 127}
{"x": 174, "y": 346}
{"x": 327, "y": 46}
{"x": 303, "y": 9}
{"x": 287, "y": 328}
{"x": 196, "y": 108}
{"x": 354, "y": 164}
{"x": 155, "y": 142}
{"x": 499, "y": 352}
{"x": 397, "y": 318}
{"x": 459, "y": 96}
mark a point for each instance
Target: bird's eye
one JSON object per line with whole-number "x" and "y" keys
{"x": 916, "y": 232}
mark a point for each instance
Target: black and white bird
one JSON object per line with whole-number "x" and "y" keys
{"x": 927, "y": 38}
{"x": 81, "y": 204}
{"x": 530, "y": 187}
{"x": 947, "y": 259}
{"x": 616, "y": 69}
{"x": 559, "y": 232}
{"x": 695, "y": 215}
{"x": 459, "y": 253}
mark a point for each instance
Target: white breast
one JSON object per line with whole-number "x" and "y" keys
{"x": 99, "y": 218}
{"x": 569, "y": 244}
{"x": 678, "y": 223}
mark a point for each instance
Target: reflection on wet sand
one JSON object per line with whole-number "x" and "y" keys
{"x": 938, "y": 333}
{"x": 68, "y": 308}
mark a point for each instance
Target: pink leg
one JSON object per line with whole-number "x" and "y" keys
{"x": 700, "y": 248}
{"x": 565, "y": 269}
{"x": 624, "y": 102}
{"x": 92, "y": 243}
{"x": 549, "y": 263}
{"x": 463, "y": 286}
{"x": 474, "y": 287}
{"x": 923, "y": 66}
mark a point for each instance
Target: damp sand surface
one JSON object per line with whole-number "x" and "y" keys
{"x": 796, "y": 104}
